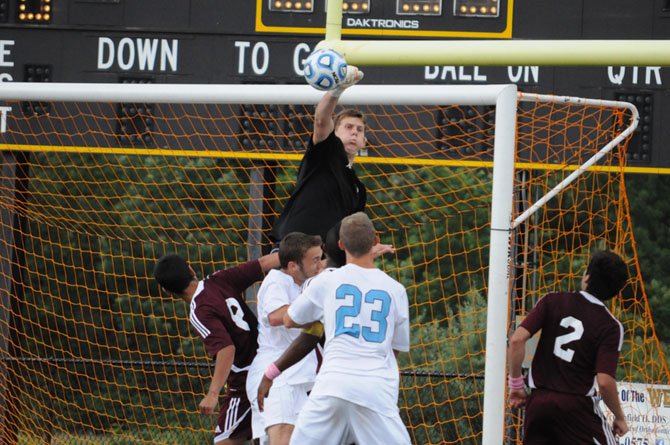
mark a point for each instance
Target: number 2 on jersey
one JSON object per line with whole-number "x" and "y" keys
{"x": 378, "y": 317}
{"x": 560, "y": 350}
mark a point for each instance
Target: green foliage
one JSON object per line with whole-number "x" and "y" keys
{"x": 442, "y": 387}
{"x": 650, "y": 208}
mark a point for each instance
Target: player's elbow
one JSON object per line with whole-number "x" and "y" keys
{"x": 606, "y": 383}
{"x": 519, "y": 338}
{"x": 288, "y": 321}
{"x": 276, "y": 318}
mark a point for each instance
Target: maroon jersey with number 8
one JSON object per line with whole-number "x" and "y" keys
{"x": 222, "y": 318}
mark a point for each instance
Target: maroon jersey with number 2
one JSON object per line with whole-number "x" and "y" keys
{"x": 580, "y": 338}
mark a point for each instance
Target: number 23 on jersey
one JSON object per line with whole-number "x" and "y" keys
{"x": 348, "y": 318}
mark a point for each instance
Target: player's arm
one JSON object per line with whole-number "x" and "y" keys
{"x": 516, "y": 353}
{"x": 610, "y": 395}
{"x": 224, "y": 362}
{"x": 380, "y": 249}
{"x": 323, "y": 115}
{"x": 297, "y": 350}
{"x": 289, "y": 323}
{"x": 276, "y": 317}
{"x": 269, "y": 261}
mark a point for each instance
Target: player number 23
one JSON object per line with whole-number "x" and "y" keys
{"x": 377, "y": 316}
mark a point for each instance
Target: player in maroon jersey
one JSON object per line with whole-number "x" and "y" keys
{"x": 579, "y": 346}
{"x": 229, "y": 329}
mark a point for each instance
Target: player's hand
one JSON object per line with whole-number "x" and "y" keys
{"x": 517, "y": 398}
{"x": 263, "y": 391}
{"x": 208, "y": 403}
{"x": 619, "y": 427}
{"x": 381, "y": 249}
{"x": 354, "y": 75}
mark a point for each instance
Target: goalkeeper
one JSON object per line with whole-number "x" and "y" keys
{"x": 327, "y": 188}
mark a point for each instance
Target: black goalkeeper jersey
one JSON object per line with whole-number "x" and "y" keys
{"x": 326, "y": 191}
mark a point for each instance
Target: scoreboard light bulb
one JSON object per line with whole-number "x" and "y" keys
{"x": 22, "y": 7}
{"x": 290, "y": 5}
{"x": 22, "y": 16}
{"x": 476, "y": 8}
{"x": 419, "y": 7}
{"x": 354, "y": 6}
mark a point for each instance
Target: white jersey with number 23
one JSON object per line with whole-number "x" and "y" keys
{"x": 366, "y": 316}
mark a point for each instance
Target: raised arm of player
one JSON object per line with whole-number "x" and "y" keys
{"x": 323, "y": 117}
{"x": 516, "y": 354}
{"x": 224, "y": 362}
{"x": 610, "y": 395}
{"x": 269, "y": 261}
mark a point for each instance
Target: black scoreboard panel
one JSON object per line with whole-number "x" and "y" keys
{"x": 264, "y": 41}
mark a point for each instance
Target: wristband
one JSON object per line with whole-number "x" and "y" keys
{"x": 272, "y": 372}
{"x": 515, "y": 382}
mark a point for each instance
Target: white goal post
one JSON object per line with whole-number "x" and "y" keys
{"x": 505, "y": 98}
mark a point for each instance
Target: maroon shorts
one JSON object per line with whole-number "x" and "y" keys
{"x": 234, "y": 420}
{"x": 565, "y": 419}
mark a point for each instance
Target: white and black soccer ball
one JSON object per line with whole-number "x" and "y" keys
{"x": 325, "y": 69}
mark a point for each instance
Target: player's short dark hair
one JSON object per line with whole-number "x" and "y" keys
{"x": 294, "y": 246}
{"x": 349, "y": 112}
{"x": 172, "y": 273}
{"x": 357, "y": 234}
{"x": 336, "y": 256}
{"x": 607, "y": 273}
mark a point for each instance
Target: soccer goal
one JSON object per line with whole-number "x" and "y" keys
{"x": 101, "y": 180}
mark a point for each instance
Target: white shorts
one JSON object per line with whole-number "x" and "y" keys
{"x": 282, "y": 405}
{"x": 326, "y": 420}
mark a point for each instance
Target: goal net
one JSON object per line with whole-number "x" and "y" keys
{"x": 99, "y": 181}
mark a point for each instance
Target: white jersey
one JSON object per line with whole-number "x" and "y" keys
{"x": 277, "y": 289}
{"x": 366, "y": 316}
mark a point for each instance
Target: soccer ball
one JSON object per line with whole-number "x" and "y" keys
{"x": 325, "y": 69}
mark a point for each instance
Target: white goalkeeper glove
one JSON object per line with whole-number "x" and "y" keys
{"x": 354, "y": 75}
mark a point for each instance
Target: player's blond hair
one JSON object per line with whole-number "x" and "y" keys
{"x": 357, "y": 234}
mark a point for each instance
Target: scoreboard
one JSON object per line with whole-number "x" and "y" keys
{"x": 264, "y": 41}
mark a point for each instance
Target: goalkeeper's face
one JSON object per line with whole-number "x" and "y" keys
{"x": 351, "y": 131}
